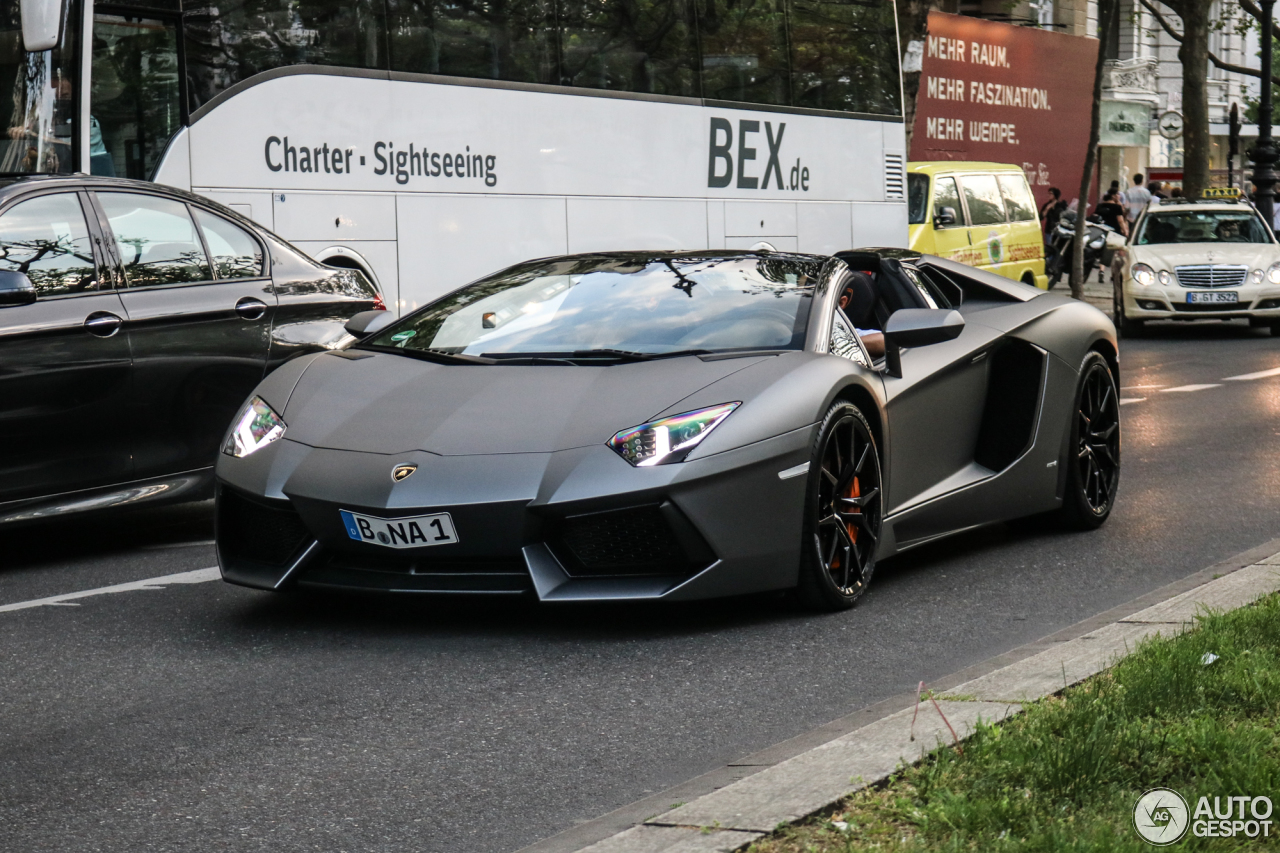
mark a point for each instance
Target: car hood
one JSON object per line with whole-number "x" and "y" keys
{"x": 1168, "y": 256}
{"x": 387, "y": 403}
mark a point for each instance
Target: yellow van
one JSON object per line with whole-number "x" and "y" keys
{"x": 981, "y": 214}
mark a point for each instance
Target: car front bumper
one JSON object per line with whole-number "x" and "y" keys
{"x": 1169, "y": 302}
{"x": 571, "y": 525}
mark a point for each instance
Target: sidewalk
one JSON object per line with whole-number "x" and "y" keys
{"x": 738, "y": 813}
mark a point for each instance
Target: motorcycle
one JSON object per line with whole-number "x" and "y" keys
{"x": 1101, "y": 243}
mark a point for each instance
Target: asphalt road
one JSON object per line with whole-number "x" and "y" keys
{"x": 207, "y": 717}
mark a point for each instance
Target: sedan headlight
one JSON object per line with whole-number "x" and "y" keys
{"x": 1255, "y": 277}
{"x": 670, "y": 439}
{"x": 1273, "y": 273}
{"x": 1164, "y": 277}
{"x": 254, "y": 428}
{"x": 1143, "y": 274}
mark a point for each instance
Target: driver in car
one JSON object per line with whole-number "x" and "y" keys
{"x": 857, "y": 303}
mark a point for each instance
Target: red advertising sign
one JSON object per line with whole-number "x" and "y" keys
{"x": 1006, "y": 94}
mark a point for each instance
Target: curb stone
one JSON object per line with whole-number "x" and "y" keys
{"x": 729, "y": 808}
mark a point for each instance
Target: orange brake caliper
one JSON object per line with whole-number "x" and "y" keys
{"x": 855, "y": 491}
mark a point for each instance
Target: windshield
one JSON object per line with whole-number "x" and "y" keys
{"x": 636, "y": 304}
{"x": 1203, "y": 226}
{"x": 36, "y": 101}
{"x": 917, "y": 197}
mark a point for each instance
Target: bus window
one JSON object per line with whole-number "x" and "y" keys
{"x": 134, "y": 98}
{"x": 513, "y": 41}
{"x": 744, "y": 51}
{"x": 844, "y": 56}
{"x": 231, "y": 40}
{"x": 629, "y": 45}
{"x": 36, "y": 101}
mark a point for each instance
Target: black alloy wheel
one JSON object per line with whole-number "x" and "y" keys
{"x": 843, "y": 511}
{"x": 1093, "y": 458}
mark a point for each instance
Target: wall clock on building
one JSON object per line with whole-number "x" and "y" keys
{"x": 1170, "y": 125}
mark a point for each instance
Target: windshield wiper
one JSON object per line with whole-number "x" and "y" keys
{"x": 628, "y": 355}
{"x": 430, "y": 355}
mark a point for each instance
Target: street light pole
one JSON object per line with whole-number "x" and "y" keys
{"x": 1264, "y": 151}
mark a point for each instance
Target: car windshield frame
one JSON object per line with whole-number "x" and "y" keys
{"x": 618, "y": 307}
{"x": 1207, "y": 228}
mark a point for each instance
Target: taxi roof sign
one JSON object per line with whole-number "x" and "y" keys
{"x": 1224, "y": 193}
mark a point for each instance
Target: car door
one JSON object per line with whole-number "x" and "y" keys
{"x": 935, "y": 413}
{"x": 988, "y": 221}
{"x": 64, "y": 361}
{"x": 199, "y": 304}
{"x": 950, "y": 240}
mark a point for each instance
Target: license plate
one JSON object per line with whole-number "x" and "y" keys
{"x": 1200, "y": 297}
{"x": 418, "y": 531}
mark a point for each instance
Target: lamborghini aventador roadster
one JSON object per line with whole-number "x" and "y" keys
{"x": 672, "y": 426}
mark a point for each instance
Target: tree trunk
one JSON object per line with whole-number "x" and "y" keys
{"x": 1107, "y": 14}
{"x": 1193, "y": 53}
{"x": 913, "y": 26}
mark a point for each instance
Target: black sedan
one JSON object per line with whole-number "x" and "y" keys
{"x": 134, "y": 321}
{"x": 672, "y": 426}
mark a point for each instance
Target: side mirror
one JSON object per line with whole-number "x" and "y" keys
{"x": 41, "y": 24}
{"x": 918, "y": 327}
{"x": 368, "y": 323}
{"x": 945, "y": 216}
{"x": 16, "y": 289}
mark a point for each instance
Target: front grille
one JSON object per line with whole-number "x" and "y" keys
{"x": 636, "y": 541}
{"x": 259, "y": 531}
{"x": 1211, "y": 275}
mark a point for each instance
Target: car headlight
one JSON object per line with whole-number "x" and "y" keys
{"x": 254, "y": 428}
{"x": 1255, "y": 277}
{"x": 1164, "y": 277}
{"x": 1143, "y": 274}
{"x": 1273, "y": 273}
{"x": 670, "y": 439}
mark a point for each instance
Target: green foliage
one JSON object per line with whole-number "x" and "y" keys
{"x": 1065, "y": 774}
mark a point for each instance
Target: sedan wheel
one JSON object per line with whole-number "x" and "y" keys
{"x": 1093, "y": 462}
{"x": 843, "y": 512}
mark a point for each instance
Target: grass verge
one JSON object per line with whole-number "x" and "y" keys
{"x": 1065, "y": 774}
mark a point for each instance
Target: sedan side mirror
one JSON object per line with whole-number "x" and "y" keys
{"x": 945, "y": 216}
{"x": 918, "y": 327}
{"x": 369, "y": 323}
{"x": 16, "y": 289}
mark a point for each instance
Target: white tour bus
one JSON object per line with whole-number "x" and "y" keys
{"x": 428, "y": 142}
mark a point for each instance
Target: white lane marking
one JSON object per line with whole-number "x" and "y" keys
{"x": 197, "y": 576}
{"x": 1139, "y": 387}
{"x": 1261, "y": 374}
{"x": 1124, "y": 401}
{"x": 802, "y": 468}
{"x": 1182, "y": 388}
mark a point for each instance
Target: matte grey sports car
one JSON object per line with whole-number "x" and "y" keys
{"x": 672, "y": 426}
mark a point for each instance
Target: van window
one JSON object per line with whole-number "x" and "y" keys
{"x": 1017, "y": 198}
{"x": 981, "y": 194}
{"x": 945, "y": 195}
{"x": 917, "y": 198}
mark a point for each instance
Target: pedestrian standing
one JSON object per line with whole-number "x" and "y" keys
{"x": 1139, "y": 197}
{"x": 1157, "y": 191}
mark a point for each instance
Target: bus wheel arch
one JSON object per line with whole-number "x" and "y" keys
{"x": 349, "y": 259}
